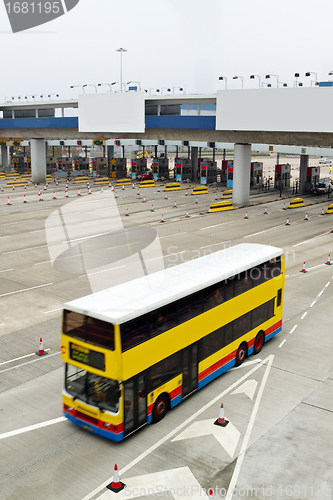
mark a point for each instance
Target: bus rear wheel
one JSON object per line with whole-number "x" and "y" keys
{"x": 241, "y": 354}
{"x": 258, "y": 342}
{"x": 161, "y": 406}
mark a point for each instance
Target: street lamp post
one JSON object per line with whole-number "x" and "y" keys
{"x": 277, "y": 79}
{"x": 252, "y": 77}
{"x": 121, "y": 50}
{"x": 225, "y": 81}
{"x": 309, "y": 73}
{"x": 242, "y": 79}
{"x": 81, "y": 87}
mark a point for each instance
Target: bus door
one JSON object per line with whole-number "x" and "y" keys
{"x": 135, "y": 403}
{"x": 190, "y": 369}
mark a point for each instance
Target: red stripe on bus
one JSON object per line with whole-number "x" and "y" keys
{"x": 216, "y": 366}
{"x": 273, "y": 328}
{"x": 176, "y": 392}
{"x": 150, "y": 408}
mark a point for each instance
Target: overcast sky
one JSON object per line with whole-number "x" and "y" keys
{"x": 170, "y": 43}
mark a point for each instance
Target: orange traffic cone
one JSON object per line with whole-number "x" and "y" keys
{"x": 306, "y": 217}
{"x": 175, "y": 205}
{"x": 41, "y": 351}
{"x": 196, "y": 200}
{"x": 322, "y": 212}
{"x": 162, "y": 220}
{"x": 144, "y": 200}
{"x": 24, "y": 199}
{"x": 66, "y": 193}
{"x": 109, "y": 184}
{"x": 112, "y": 188}
{"x": 152, "y": 208}
{"x": 328, "y": 262}
{"x": 89, "y": 190}
{"x": 2, "y": 188}
{"x": 126, "y": 212}
{"x": 78, "y": 192}
{"x": 102, "y": 190}
{"x": 25, "y": 187}
{"x": 287, "y": 223}
{"x": 8, "y": 201}
{"x": 211, "y": 494}
{"x": 138, "y": 193}
{"x": 54, "y": 196}
{"x": 246, "y": 217}
{"x": 166, "y": 196}
{"x": 265, "y": 211}
{"x": 216, "y": 197}
{"x": 41, "y": 198}
{"x": 13, "y": 188}
{"x": 185, "y": 192}
{"x": 187, "y": 215}
{"x": 123, "y": 187}
{"x": 284, "y": 207}
{"x": 116, "y": 196}
{"x": 221, "y": 421}
{"x": 158, "y": 189}
{"x": 116, "y": 485}
{"x": 44, "y": 187}
{"x": 133, "y": 187}
{"x": 303, "y": 270}
{"x": 57, "y": 183}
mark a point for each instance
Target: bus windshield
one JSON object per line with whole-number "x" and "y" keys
{"x": 92, "y": 389}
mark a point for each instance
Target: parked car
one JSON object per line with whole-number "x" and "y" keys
{"x": 146, "y": 176}
{"x": 326, "y": 161}
{"x": 321, "y": 187}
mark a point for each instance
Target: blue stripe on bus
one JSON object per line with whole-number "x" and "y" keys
{"x": 96, "y": 430}
{"x": 273, "y": 333}
{"x": 175, "y": 401}
{"x": 216, "y": 374}
{"x": 149, "y": 418}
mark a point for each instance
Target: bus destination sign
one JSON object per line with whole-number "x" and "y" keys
{"x": 83, "y": 355}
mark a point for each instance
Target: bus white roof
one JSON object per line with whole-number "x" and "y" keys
{"x": 134, "y": 298}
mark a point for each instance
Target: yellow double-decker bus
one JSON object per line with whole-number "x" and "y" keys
{"x": 138, "y": 349}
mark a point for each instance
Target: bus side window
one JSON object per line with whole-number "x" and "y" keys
{"x": 213, "y": 296}
{"x": 229, "y": 288}
{"x": 279, "y": 298}
{"x": 243, "y": 283}
{"x": 189, "y": 307}
{"x": 134, "y": 332}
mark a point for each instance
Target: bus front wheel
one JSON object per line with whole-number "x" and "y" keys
{"x": 258, "y": 342}
{"x": 161, "y": 406}
{"x": 241, "y": 354}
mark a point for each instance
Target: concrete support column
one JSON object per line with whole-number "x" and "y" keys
{"x": 4, "y": 156}
{"x": 241, "y": 176}
{"x": 194, "y": 157}
{"x": 304, "y": 163}
{"x": 38, "y": 160}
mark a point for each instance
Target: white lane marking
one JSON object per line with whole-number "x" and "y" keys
{"x": 103, "y": 271}
{"x": 29, "y": 362}
{"x": 53, "y": 310}
{"x": 25, "y": 289}
{"x": 60, "y": 258}
{"x": 170, "y": 254}
{"x": 246, "y": 439}
{"x": 32, "y": 427}
{"x": 306, "y": 312}
{"x": 21, "y": 357}
{"x": 38, "y": 231}
{"x": 293, "y": 329}
{"x": 216, "y": 225}
{"x": 18, "y": 222}
{"x": 2, "y": 324}
{"x": 327, "y": 284}
{"x": 249, "y": 388}
{"x": 86, "y": 237}
{"x": 156, "y": 258}
{"x": 5, "y": 270}
{"x": 214, "y": 244}
{"x": 283, "y": 341}
{"x": 246, "y": 363}
{"x": 169, "y": 235}
{"x": 120, "y": 246}
{"x": 5, "y": 236}
{"x": 264, "y": 231}
{"x": 314, "y": 238}
{"x": 313, "y": 303}
{"x": 23, "y": 250}
{"x": 144, "y": 454}
{"x": 320, "y": 293}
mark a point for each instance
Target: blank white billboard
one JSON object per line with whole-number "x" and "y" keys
{"x": 112, "y": 112}
{"x": 287, "y": 110}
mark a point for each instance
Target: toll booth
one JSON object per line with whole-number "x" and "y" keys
{"x": 67, "y": 163}
{"x": 256, "y": 176}
{"x": 101, "y": 165}
{"x": 160, "y": 168}
{"x": 139, "y": 166}
{"x": 81, "y": 163}
{"x": 312, "y": 177}
{"x": 207, "y": 171}
{"x": 52, "y": 164}
{"x": 282, "y": 175}
{"x": 120, "y": 168}
{"x": 224, "y": 170}
{"x": 183, "y": 169}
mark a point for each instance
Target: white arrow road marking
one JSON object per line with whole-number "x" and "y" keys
{"x": 249, "y": 388}
{"x": 176, "y": 483}
{"x": 228, "y": 436}
{"x": 246, "y": 439}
